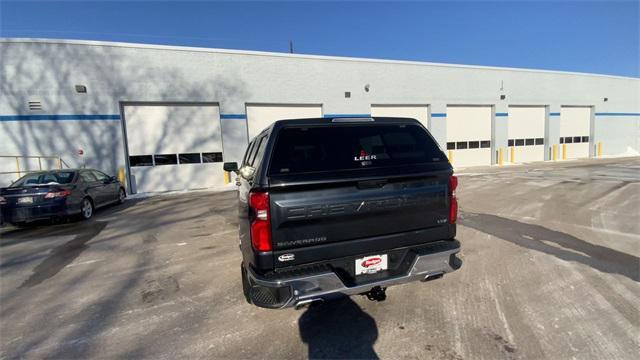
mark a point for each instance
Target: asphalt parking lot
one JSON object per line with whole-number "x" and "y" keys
{"x": 551, "y": 270}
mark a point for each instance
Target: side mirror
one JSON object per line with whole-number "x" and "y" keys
{"x": 113, "y": 179}
{"x": 247, "y": 172}
{"x": 230, "y": 167}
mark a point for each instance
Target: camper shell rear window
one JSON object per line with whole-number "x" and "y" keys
{"x": 300, "y": 150}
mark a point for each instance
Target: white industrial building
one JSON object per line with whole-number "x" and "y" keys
{"x": 170, "y": 115}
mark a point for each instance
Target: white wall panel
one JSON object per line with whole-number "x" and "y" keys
{"x": 471, "y": 157}
{"x": 469, "y": 123}
{"x": 418, "y": 112}
{"x": 177, "y": 177}
{"x": 260, "y": 116}
{"x": 526, "y": 122}
{"x": 174, "y": 129}
{"x": 160, "y": 129}
{"x": 575, "y": 121}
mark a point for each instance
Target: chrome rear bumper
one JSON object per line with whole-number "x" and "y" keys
{"x": 297, "y": 291}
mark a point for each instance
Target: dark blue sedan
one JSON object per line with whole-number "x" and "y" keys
{"x": 59, "y": 194}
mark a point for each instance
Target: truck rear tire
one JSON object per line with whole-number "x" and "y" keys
{"x": 245, "y": 283}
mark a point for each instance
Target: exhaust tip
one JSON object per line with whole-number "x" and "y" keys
{"x": 431, "y": 277}
{"x": 308, "y": 302}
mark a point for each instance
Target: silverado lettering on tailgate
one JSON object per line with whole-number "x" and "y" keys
{"x": 360, "y": 206}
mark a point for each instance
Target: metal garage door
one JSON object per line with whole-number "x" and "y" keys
{"x": 260, "y": 116}
{"x": 574, "y": 131}
{"x": 418, "y": 112}
{"x": 526, "y": 133}
{"x": 173, "y": 147}
{"x": 469, "y": 135}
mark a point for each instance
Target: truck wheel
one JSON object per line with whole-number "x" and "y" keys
{"x": 245, "y": 283}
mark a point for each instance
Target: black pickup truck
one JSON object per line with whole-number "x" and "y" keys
{"x": 334, "y": 207}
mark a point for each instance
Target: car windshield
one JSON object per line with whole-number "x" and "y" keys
{"x": 53, "y": 178}
{"x": 302, "y": 150}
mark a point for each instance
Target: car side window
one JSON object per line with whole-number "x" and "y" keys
{"x": 246, "y": 154}
{"x": 255, "y": 152}
{"x": 252, "y": 153}
{"x": 100, "y": 175}
{"x": 258, "y": 156}
{"x": 87, "y": 177}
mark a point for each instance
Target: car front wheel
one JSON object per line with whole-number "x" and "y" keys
{"x": 86, "y": 211}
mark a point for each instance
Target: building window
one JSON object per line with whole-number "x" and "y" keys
{"x": 519, "y": 142}
{"x": 485, "y": 144}
{"x": 529, "y": 142}
{"x": 474, "y": 144}
{"x": 165, "y": 159}
{"x": 539, "y": 141}
{"x": 585, "y": 139}
{"x": 561, "y": 140}
{"x": 451, "y": 146}
{"x": 141, "y": 160}
{"x": 461, "y": 145}
{"x": 189, "y": 158}
{"x": 577, "y": 139}
{"x": 212, "y": 157}
{"x": 511, "y": 142}
{"x": 568, "y": 140}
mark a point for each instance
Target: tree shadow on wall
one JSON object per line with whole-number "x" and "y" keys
{"x": 48, "y": 72}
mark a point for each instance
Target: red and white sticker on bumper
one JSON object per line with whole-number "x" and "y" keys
{"x": 371, "y": 264}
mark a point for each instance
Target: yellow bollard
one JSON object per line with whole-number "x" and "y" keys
{"x": 564, "y": 151}
{"x": 512, "y": 158}
{"x": 227, "y": 178}
{"x": 554, "y": 153}
{"x": 599, "y": 149}
{"x": 500, "y": 157}
{"x": 121, "y": 176}
{"x": 450, "y": 156}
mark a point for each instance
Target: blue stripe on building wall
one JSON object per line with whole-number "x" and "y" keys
{"x": 59, "y": 117}
{"x": 233, "y": 116}
{"x": 616, "y": 114}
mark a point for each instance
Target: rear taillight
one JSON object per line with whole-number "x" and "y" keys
{"x": 261, "y": 224}
{"x": 57, "y": 194}
{"x": 453, "y": 201}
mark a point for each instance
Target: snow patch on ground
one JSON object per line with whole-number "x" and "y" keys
{"x": 630, "y": 152}
{"x": 227, "y": 187}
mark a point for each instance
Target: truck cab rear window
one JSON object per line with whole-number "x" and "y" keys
{"x": 349, "y": 147}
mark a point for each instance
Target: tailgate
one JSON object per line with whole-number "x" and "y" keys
{"x": 390, "y": 212}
